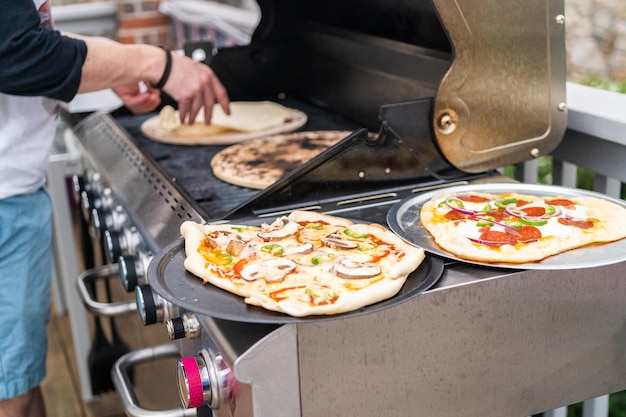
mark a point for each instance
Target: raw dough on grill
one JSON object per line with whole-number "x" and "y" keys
{"x": 610, "y": 227}
{"x": 248, "y": 120}
{"x": 258, "y": 163}
{"x": 250, "y": 116}
{"x": 395, "y": 260}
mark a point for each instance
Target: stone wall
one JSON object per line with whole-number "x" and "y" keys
{"x": 596, "y": 39}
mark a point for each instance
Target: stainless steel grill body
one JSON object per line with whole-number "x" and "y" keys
{"x": 485, "y": 342}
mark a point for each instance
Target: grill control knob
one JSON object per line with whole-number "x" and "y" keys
{"x": 133, "y": 269}
{"x": 116, "y": 244}
{"x": 150, "y": 306}
{"x": 86, "y": 204}
{"x": 185, "y": 326}
{"x": 78, "y": 185}
{"x": 107, "y": 219}
{"x": 198, "y": 382}
{"x": 88, "y": 182}
{"x": 95, "y": 198}
{"x": 112, "y": 246}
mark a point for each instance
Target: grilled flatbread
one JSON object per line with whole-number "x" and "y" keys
{"x": 258, "y": 163}
{"x": 517, "y": 228}
{"x": 304, "y": 264}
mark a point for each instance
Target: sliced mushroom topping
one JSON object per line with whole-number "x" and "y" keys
{"x": 217, "y": 238}
{"x": 273, "y": 270}
{"x": 348, "y": 269}
{"x": 235, "y": 246}
{"x": 303, "y": 249}
{"x": 334, "y": 241}
{"x": 280, "y": 229}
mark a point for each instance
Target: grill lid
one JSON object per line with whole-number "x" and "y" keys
{"x": 494, "y": 69}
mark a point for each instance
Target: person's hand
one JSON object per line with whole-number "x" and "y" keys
{"x": 194, "y": 86}
{"x": 139, "y": 99}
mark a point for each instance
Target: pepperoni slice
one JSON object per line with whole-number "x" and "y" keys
{"x": 453, "y": 215}
{"x": 561, "y": 202}
{"x": 496, "y": 236}
{"x": 528, "y": 233}
{"x": 497, "y": 214}
{"x": 534, "y": 211}
{"x": 470, "y": 198}
{"x": 583, "y": 224}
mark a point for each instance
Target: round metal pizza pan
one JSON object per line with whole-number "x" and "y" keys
{"x": 168, "y": 277}
{"x": 404, "y": 219}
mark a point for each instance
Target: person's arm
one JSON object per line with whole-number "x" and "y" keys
{"x": 35, "y": 61}
{"x": 41, "y": 62}
{"x": 193, "y": 85}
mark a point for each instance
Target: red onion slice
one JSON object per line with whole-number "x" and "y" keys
{"x": 512, "y": 211}
{"x": 488, "y": 242}
{"x": 509, "y": 229}
{"x": 456, "y": 208}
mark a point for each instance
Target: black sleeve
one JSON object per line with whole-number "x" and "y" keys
{"x": 36, "y": 61}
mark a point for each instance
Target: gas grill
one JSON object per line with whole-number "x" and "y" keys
{"x": 437, "y": 95}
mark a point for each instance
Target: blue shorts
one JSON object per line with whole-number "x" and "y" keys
{"x": 25, "y": 275}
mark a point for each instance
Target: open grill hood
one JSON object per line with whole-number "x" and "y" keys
{"x": 495, "y": 74}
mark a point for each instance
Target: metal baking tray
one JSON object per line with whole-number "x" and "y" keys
{"x": 168, "y": 277}
{"x": 404, "y": 219}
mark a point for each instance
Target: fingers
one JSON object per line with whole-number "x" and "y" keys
{"x": 138, "y": 101}
{"x": 194, "y": 86}
{"x": 221, "y": 94}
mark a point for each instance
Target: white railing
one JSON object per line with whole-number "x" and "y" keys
{"x": 595, "y": 140}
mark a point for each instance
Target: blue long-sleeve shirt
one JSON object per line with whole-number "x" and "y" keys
{"x": 35, "y": 61}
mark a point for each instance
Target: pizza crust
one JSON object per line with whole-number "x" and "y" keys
{"x": 611, "y": 226}
{"x": 258, "y": 163}
{"x": 352, "y": 293}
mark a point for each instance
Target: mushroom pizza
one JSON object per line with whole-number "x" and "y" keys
{"x": 303, "y": 264}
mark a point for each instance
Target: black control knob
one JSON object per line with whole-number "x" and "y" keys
{"x": 87, "y": 182}
{"x": 133, "y": 269}
{"x": 150, "y": 307}
{"x": 108, "y": 218}
{"x": 129, "y": 272}
{"x": 125, "y": 242}
{"x": 112, "y": 246}
{"x": 98, "y": 222}
{"x": 78, "y": 185}
{"x": 176, "y": 328}
{"x": 186, "y": 325}
{"x": 86, "y": 204}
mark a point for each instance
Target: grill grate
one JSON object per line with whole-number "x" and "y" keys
{"x": 188, "y": 167}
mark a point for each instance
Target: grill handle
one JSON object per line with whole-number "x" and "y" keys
{"x": 88, "y": 278}
{"x": 123, "y": 385}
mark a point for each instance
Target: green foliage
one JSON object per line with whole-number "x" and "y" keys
{"x": 617, "y": 406}
{"x": 604, "y": 83}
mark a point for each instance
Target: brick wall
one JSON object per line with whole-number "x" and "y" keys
{"x": 141, "y": 22}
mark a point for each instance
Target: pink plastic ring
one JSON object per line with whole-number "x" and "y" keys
{"x": 194, "y": 382}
